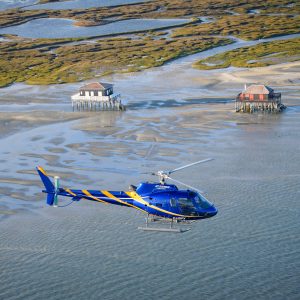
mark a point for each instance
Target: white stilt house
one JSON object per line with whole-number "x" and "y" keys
{"x": 97, "y": 95}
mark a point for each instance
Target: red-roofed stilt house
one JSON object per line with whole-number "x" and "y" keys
{"x": 258, "y": 97}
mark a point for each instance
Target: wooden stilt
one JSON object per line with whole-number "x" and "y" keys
{"x": 81, "y": 105}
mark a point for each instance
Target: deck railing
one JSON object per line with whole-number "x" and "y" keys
{"x": 111, "y": 98}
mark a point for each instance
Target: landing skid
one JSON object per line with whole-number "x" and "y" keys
{"x": 166, "y": 225}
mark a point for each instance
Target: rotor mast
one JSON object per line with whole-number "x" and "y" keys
{"x": 164, "y": 175}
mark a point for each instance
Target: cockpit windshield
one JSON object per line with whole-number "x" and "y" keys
{"x": 191, "y": 203}
{"x": 200, "y": 200}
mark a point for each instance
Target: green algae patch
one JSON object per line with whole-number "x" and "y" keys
{"x": 7, "y": 212}
{"x": 262, "y": 55}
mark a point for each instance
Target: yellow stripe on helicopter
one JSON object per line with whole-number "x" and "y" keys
{"x": 139, "y": 199}
{"x": 86, "y": 192}
{"x": 111, "y": 196}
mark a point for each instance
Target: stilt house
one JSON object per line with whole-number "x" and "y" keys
{"x": 96, "y": 96}
{"x": 258, "y": 97}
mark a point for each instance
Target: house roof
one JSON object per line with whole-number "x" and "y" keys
{"x": 94, "y": 86}
{"x": 258, "y": 89}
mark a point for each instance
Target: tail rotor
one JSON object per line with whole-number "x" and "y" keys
{"x": 56, "y": 190}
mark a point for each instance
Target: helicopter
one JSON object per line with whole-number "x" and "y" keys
{"x": 161, "y": 201}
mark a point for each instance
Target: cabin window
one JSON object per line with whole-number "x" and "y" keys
{"x": 186, "y": 205}
{"x": 186, "y": 202}
{"x": 173, "y": 202}
{"x": 197, "y": 199}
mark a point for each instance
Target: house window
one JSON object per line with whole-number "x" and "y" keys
{"x": 82, "y": 93}
{"x": 95, "y": 93}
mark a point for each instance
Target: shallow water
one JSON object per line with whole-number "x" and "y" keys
{"x": 71, "y": 4}
{"x": 80, "y": 4}
{"x": 8, "y": 4}
{"x": 250, "y": 250}
{"x": 64, "y": 28}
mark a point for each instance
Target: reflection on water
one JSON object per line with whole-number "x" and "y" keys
{"x": 64, "y": 28}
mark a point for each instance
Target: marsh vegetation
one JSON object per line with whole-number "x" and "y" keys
{"x": 46, "y": 61}
{"x": 261, "y": 55}
{"x": 247, "y": 27}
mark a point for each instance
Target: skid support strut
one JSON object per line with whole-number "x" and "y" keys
{"x": 162, "y": 225}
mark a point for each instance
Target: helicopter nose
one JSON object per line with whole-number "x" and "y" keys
{"x": 212, "y": 211}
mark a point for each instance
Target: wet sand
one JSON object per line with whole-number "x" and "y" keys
{"x": 176, "y": 115}
{"x": 165, "y": 106}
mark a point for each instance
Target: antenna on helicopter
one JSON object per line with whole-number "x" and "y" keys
{"x": 163, "y": 175}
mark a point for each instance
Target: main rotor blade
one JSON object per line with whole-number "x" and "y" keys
{"x": 110, "y": 170}
{"x": 182, "y": 183}
{"x": 151, "y": 150}
{"x": 149, "y": 173}
{"x": 189, "y": 165}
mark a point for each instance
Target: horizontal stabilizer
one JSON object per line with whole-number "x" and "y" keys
{"x": 76, "y": 198}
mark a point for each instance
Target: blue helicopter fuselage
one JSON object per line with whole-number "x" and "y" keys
{"x": 163, "y": 200}
{"x": 168, "y": 201}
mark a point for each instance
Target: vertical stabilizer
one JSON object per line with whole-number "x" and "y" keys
{"x": 48, "y": 185}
